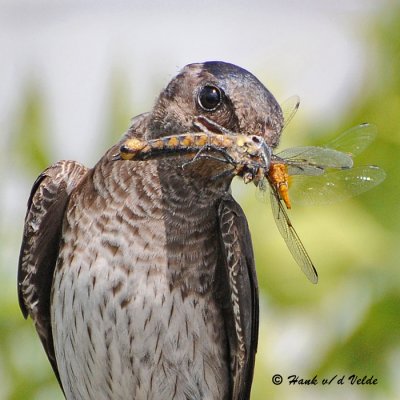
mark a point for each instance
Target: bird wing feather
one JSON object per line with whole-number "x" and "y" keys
{"x": 40, "y": 245}
{"x": 239, "y": 262}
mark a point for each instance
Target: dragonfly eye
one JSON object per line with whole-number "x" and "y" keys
{"x": 209, "y": 97}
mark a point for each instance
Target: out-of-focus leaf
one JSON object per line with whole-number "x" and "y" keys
{"x": 30, "y": 144}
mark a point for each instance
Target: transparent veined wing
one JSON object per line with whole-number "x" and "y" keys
{"x": 310, "y": 160}
{"x": 291, "y": 238}
{"x": 323, "y": 175}
{"x": 330, "y": 187}
{"x": 355, "y": 140}
{"x": 289, "y": 108}
{"x": 338, "y": 153}
{"x": 334, "y": 186}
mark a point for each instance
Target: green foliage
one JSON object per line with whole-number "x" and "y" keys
{"x": 30, "y": 141}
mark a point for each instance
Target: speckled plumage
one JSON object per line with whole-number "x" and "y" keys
{"x": 140, "y": 276}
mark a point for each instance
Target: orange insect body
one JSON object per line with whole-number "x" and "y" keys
{"x": 279, "y": 176}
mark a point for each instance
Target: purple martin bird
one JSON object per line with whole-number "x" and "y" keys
{"x": 140, "y": 276}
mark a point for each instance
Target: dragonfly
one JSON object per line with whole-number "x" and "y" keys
{"x": 306, "y": 174}
{"x": 316, "y": 175}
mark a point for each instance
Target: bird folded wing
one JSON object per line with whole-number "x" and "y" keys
{"x": 237, "y": 248}
{"x": 40, "y": 244}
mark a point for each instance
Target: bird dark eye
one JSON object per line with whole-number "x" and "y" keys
{"x": 209, "y": 97}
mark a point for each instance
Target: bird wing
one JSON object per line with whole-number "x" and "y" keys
{"x": 40, "y": 245}
{"x": 239, "y": 262}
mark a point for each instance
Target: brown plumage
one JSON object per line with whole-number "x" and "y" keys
{"x": 140, "y": 276}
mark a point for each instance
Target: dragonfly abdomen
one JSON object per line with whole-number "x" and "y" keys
{"x": 140, "y": 149}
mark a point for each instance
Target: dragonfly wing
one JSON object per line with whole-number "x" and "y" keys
{"x": 262, "y": 190}
{"x": 339, "y": 153}
{"x": 310, "y": 158}
{"x": 291, "y": 238}
{"x": 334, "y": 186}
{"x": 289, "y": 108}
{"x": 355, "y": 140}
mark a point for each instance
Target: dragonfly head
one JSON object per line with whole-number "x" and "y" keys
{"x": 253, "y": 156}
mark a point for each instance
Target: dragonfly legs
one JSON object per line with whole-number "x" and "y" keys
{"x": 224, "y": 157}
{"x": 202, "y": 153}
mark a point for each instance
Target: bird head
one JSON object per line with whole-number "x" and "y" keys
{"x": 223, "y": 93}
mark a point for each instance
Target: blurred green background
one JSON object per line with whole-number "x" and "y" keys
{"x": 347, "y": 324}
